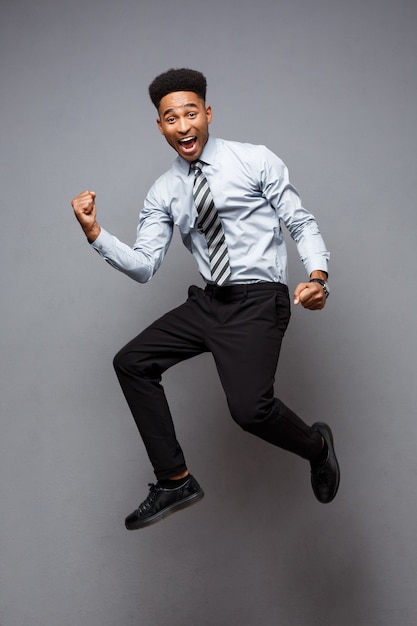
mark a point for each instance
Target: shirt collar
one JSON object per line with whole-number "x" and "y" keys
{"x": 209, "y": 151}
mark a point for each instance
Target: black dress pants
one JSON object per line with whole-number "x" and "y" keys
{"x": 243, "y": 327}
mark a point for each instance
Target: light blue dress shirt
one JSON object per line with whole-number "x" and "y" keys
{"x": 253, "y": 195}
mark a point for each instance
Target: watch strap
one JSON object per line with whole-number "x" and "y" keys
{"x": 323, "y": 283}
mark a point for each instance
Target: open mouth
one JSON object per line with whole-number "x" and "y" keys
{"x": 188, "y": 143}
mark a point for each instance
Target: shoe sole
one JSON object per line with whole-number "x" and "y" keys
{"x": 326, "y": 432}
{"x": 177, "y": 506}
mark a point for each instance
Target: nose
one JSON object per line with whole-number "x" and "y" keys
{"x": 183, "y": 125}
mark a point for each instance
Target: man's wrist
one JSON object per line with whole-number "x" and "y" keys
{"x": 323, "y": 283}
{"x": 93, "y": 232}
{"x": 319, "y": 274}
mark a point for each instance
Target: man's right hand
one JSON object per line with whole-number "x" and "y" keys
{"x": 84, "y": 206}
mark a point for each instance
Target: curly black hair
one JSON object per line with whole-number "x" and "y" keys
{"x": 182, "y": 79}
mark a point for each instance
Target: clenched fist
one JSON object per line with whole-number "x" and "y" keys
{"x": 84, "y": 206}
{"x": 310, "y": 295}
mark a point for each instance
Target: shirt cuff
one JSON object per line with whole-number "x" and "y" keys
{"x": 104, "y": 242}
{"x": 317, "y": 263}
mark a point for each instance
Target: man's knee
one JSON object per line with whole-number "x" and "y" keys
{"x": 127, "y": 360}
{"x": 135, "y": 363}
{"x": 250, "y": 412}
{"x": 120, "y": 361}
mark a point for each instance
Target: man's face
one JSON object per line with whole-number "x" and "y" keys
{"x": 184, "y": 120}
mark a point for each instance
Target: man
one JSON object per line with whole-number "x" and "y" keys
{"x": 228, "y": 200}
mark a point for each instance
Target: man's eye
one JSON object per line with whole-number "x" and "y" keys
{"x": 170, "y": 120}
{"x": 192, "y": 114}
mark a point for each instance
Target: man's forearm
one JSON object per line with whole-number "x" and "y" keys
{"x": 93, "y": 232}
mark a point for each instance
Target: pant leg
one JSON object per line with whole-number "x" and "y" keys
{"x": 139, "y": 367}
{"x": 246, "y": 344}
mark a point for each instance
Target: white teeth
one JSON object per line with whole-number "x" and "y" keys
{"x": 187, "y": 140}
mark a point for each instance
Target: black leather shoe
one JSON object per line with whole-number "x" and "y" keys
{"x": 162, "y": 502}
{"x": 325, "y": 474}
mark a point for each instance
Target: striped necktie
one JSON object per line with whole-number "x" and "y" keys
{"x": 209, "y": 223}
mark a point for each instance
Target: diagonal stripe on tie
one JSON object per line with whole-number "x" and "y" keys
{"x": 209, "y": 223}
{"x": 218, "y": 260}
{"x": 222, "y": 272}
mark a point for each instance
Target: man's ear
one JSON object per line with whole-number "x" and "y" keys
{"x": 158, "y": 123}
{"x": 209, "y": 114}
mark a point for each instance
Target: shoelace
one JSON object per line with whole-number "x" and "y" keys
{"x": 146, "y": 504}
{"x": 322, "y": 473}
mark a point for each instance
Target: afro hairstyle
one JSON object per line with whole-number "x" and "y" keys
{"x": 182, "y": 79}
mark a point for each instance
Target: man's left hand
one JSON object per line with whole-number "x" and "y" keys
{"x": 310, "y": 295}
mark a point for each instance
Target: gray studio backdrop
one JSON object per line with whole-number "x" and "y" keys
{"x": 331, "y": 87}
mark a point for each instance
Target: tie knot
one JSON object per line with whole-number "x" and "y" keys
{"x": 196, "y": 166}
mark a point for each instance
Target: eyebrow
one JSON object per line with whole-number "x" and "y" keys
{"x": 189, "y": 105}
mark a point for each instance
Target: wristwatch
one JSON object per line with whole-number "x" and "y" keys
{"x": 323, "y": 283}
